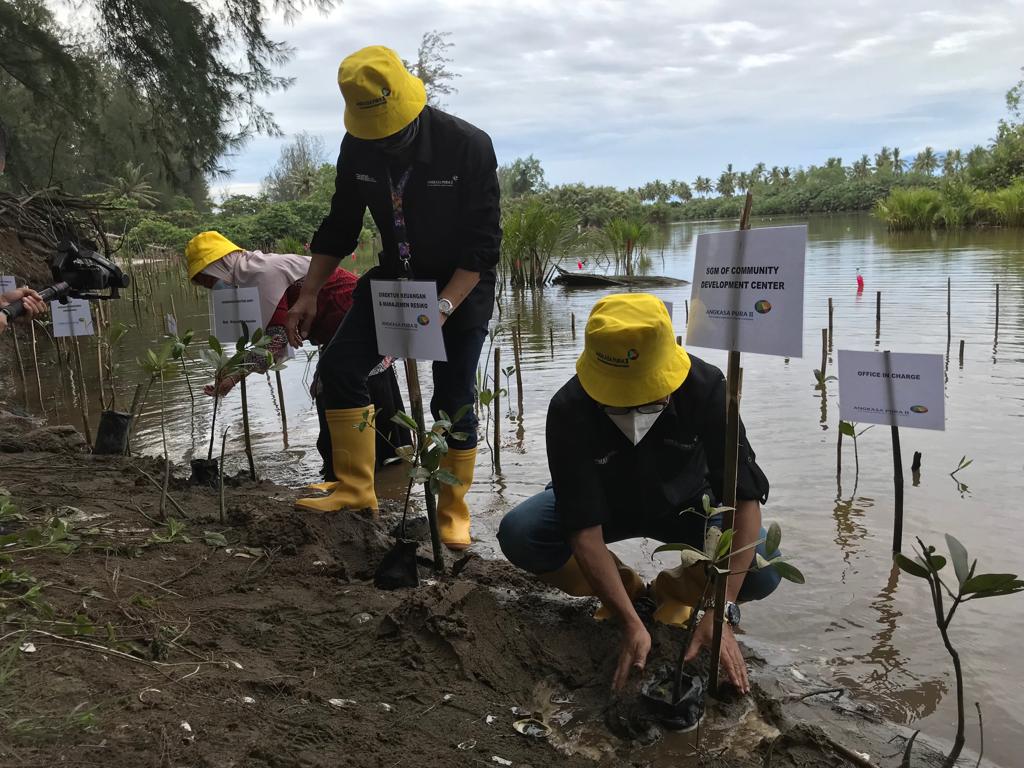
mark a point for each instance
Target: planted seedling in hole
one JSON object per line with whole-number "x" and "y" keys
{"x": 970, "y": 586}
{"x": 160, "y": 365}
{"x": 717, "y": 563}
{"x": 423, "y": 464}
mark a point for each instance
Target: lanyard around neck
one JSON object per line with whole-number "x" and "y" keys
{"x": 401, "y": 234}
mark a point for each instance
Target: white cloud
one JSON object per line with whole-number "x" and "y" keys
{"x": 614, "y": 92}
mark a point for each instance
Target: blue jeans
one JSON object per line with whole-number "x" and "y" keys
{"x": 532, "y": 538}
{"x": 350, "y": 356}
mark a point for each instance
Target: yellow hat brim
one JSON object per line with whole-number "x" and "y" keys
{"x": 621, "y": 388}
{"x": 381, "y": 96}
{"x": 206, "y": 248}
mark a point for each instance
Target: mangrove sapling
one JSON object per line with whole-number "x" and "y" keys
{"x": 716, "y": 561}
{"x": 179, "y": 346}
{"x": 160, "y": 365}
{"x": 961, "y": 487}
{"x": 970, "y": 586}
{"x": 423, "y": 465}
{"x": 849, "y": 429}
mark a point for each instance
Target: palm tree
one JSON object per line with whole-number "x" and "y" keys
{"x": 742, "y": 182}
{"x": 702, "y": 185}
{"x": 976, "y": 157}
{"x": 757, "y": 174}
{"x": 726, "y": 185}
{"x": 775, "y": 178}
{"x": 681, "y": 190}
{"x": 883, "y": 160}
{"x": 926, "y": 161}
{"x": 787, "y": 173}
{"x": 861, "y": 169}
{"x": 953, "y": 162}
{"x": 134, "y": 185}
{"x": 898, "y": 166}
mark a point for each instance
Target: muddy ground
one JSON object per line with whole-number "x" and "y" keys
{"x": 260, "y": 641}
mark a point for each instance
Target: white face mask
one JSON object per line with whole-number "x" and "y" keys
{"x": 634, "y": 425}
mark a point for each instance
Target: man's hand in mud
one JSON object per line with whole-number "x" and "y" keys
{"x": 300, "y": 318}
{"x": 732, "y": 659}
{"x": 636, "y": 644}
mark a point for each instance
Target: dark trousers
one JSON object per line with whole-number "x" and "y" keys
{"x": 350, "y": 356}
{"x": 532, "y": 537}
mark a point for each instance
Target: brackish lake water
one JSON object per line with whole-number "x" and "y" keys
{"x": 856, "y": 621}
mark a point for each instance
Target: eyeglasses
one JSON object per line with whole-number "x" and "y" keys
{"x": 612, "y": 410}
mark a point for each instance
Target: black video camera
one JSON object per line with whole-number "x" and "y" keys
{"x": 78, "y": 272}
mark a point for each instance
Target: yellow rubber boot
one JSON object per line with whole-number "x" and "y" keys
{"x": 676, "y": 591}
{"x": 570, "y": 579}
{"x": 452, "y": 510}
{"x": 353, "y": 454}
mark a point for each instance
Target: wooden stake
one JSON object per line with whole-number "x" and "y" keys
{"x": 573, "y": 317}
{"x": 517, "y": 343}
{"x": 732, "y": 447}
{"x": 245, "y": 431}
{"x": 284, "y": 414}
{"x": 35, "y": 365}
{"x": 839, "y": 463}
{"x": 497, "y": 409}
{"x": 412, "y": 380}
{"x": 824, "y": 354}
{"x": 996, "y": 335}
{"x": 686, "y": 304}
{"x": 830, "y": 322}
{"x": 21, "y": 366}
{"x": 897, "y": 480}
{"x": 551, "y": 338}
{"x": 679, "y": 341}
{"x": 83, "y": 394}
{"x": 878, "y": 314}
{"x": 949, "y": 311}
{"x": 961, "y": 353}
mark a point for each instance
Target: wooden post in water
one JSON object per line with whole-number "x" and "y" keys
{"x": 412, "y": 379}
{"x": 878, "y": 314}
{"x": 732, "y": 449}
{"x": 573, "y": 316}
{"x": 830, "y": 322}
{"x": 824, "y": 354}
{"x": 949, "y": 311}
{"x": 961, "y": 353}
{"x": 551, "y": 338}
{"x": 897, "y": 480}
{"x": 686, "y": 304}
{"x": 995, "y": 338}
{"x": 497, "y": 410}
{"x": 517, "y": 352}
{"x": 284, "y": 413}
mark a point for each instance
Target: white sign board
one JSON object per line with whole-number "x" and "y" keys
{"x": 748, "y": 291}
{"x": 232, "y": 311}
{"x": 902, "y": 389}
{"x": 71, "y": 319}
{"x": 407, "y": 319}
{"x": 172, "y": 324}
{"x": 7, "y": 283}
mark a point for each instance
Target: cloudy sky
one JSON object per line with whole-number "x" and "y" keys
{"x": 611, "y": 92}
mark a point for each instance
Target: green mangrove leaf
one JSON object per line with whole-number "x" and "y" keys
{"x": 724, "y": 544}
{"x": 985, "y": 582}
{"x": 958, "y": 554}
{"x": 681, "y": 548}
{"x": 773, "y": 539}
{"x": 788, "y": 572}
{"x": 847, "y": 429}
{"x": 911, "y": 567}
{"x": 403, "y": 419}
{"x": 446, "y": 477}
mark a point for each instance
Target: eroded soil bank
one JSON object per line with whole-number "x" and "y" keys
{"x": 261, "y": 641}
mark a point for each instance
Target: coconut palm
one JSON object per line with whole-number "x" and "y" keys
{"x": 898, "y": 164}
{"x": 861, "y": 169}
{"x": 133, "y": 184}
{"x": 926, "y": 161}
{"x": 758, "y": 173}
{"x": 681, "y": 190}
{"x": 883, "y": 160}
{"x": 952, "y": 163}
{"x": 702, "y": 186}
{"x": 726, "y": 185}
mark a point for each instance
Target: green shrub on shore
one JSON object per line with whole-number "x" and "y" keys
{"x": 956, "y": 205}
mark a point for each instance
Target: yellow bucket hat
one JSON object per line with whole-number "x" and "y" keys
{"x": 206, "y": 248}
{"x": 381, "y": 97}
{"x": 630, "y": 356}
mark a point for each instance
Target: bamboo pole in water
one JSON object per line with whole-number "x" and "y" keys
{"x": 824, "y": 354}
{"x": 517, "y": 352}
{"x": 878, "y": 314}
{"x": 961, "y": 353}
{"x": 497, "y": 409}
{"x": 284, "y": 414}
{"x": 995, "y": 338}
{"x": 897, "y": 464}
{"x": 830, "y": 322}
{"x": 245, "y": 430}
{"x": 949, "y": 311}
{"x": 573, "y": 316}
{"x": 686, "y": 304}
{"x": 551, "y": 338}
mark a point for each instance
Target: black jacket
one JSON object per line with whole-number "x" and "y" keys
{"x": 451, "y": 205}
{"x": 600, "y": 478}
